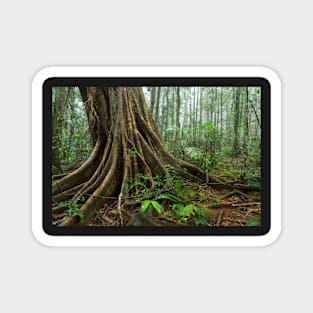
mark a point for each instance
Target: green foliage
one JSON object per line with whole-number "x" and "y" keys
{"x": 55, "y": 170}
{"x": 201, "y": 221}
{"x": 216, "y": 200}
{"x": 146, "y": 204}
{"x": 168, "y": 196}
{"x": 204, "y": 154}
{"x": 186, "y": 212}
{"x": 210, "y": 133}
{"x": 132, "y": 153}
{"x": 71, "y": 142}
{"x": 254, "y": 221}
{"x": 226, "y": 151}
{"x": 234, "y": 173}
{"x": 253, "y": 179}
{"x": 203, "y": 197}
{"x": 202, "y": 158}
{"x": 141, "y": 176}
{"x": 178, "y": 199}
{"x": 139, "y": 183}
{"x": 159, "y": 180}
{"x": 73, "y": 209}
{"x": 174, "y": 174}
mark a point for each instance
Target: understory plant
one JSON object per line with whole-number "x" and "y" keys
{"x": 178, "y": 200}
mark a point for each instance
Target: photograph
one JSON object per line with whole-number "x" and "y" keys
{"x": 155, "y": 156}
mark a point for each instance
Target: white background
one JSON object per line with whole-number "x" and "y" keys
{"x": 35, "y": 34}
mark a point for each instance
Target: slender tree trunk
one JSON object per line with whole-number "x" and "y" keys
{"x": 193, "y": 123}
{"x": 201, "y": 106}
{"x": 236, "y": 123}
{"x": 166, "y": 116}
{"x": 221, "y": 112}
{"x": 152, "y": 102}
{"x": 58, "y": 124}
{"x": 177, "y": 128}
{"x": 195, "y": 127}
{"x": 157, "y": 106}
{"x": 215, "y": 108}
{"x": 256, "y": 114}
{"x": 246, "y": 134}
{"x": 70, "y": 131}
{"x": 173, "y": 120}
{"x": 212, "y": 105}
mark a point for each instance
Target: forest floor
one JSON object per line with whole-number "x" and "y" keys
{"x": 225, "y": 207}
{"x": 208, "y": 204}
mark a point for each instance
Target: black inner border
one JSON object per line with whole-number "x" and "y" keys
{"x": 159, "y": 81}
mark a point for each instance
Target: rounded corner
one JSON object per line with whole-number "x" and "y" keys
{"x": 270, "y": 75}
{"x": 272, "y": 236}
{"x": 41, "y": 237}
{"x": 43, "y": 75}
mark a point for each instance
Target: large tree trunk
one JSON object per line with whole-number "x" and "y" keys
{"x": 126, "y": 142}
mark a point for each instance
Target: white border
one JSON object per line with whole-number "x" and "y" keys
{"x": 156, "y": 241}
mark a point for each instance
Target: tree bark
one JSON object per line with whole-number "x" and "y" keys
{"x": 59, "y": 123}
{"x": 177, "y": 129}
{"x": 157, "y": 106}
{"x": 152, "y": 102}
{"x": 246, "y": 134}
{"x": 236, "y": 123}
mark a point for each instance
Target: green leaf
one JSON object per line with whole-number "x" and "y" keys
{"x": 254, "y": 221}
{"x": 179, "y": 186}
{"x": 178, "y": 207}
{"x": 167, "y": 196}
{"x": 145, "y": 205}
{"x": 138, "y": 183}
{"x": 78, "y": 213}
{"x": 157, "y": 206}
{"x": 189, "y": 210}
{"x": 191, "y": 193}
{"x": 201, "y": 221}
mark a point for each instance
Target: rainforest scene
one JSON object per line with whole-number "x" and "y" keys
{"x": 156, "y": 156}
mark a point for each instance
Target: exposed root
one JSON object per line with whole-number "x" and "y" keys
{"x": 80, "y": 175}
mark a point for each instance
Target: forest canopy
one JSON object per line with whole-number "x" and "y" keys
{"x": 156, "y": 156}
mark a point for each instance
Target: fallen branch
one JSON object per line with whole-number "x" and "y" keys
{"x": 245, "y": 196}
{"x": 218, "y": 182}
{"x": 231, "y": 204}
{"x": 228, "y": 194}
{"x": 119, "y": 207}
{"x": 252, "y": 211}
{"x": 219, "y": 218}
{"x": 246, "y": 204}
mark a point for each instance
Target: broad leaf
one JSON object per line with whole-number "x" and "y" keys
{"x": 157, "y": 206}
{"x": 145, "y": 205}
{"x": 167, "y": 196}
